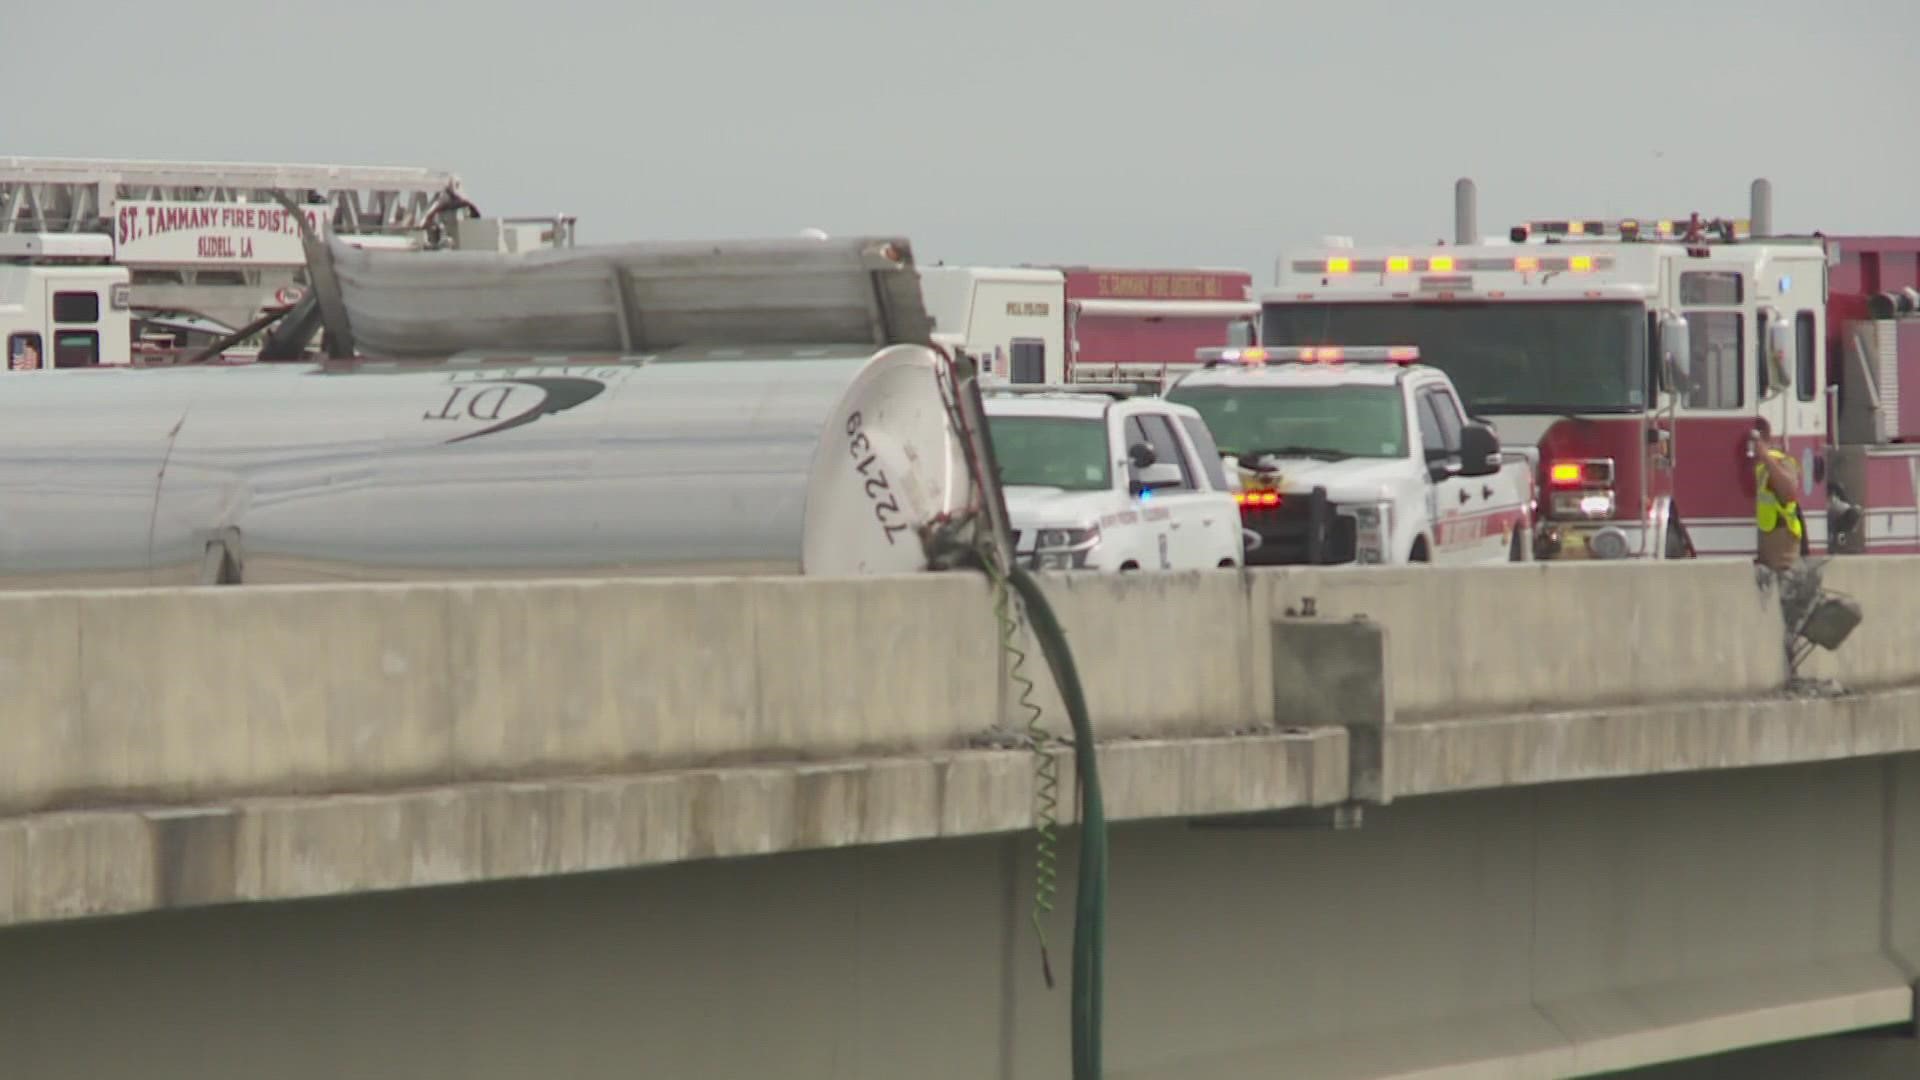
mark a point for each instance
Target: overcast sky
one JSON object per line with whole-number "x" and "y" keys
{"x": 1178, "y": 132}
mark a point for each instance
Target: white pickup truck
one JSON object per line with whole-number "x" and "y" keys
{"x": 1097, "y": 479}
{"x": 1359, "y": 455}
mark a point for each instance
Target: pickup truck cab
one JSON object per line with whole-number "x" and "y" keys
{"x": 1359, "y": 456}
{"x": 1098, "y": 479}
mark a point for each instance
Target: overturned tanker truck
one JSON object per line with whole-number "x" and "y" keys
{"x": 732, "y": 408}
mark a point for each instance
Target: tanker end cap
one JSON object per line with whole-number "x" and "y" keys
{"x": 889, "y": 477}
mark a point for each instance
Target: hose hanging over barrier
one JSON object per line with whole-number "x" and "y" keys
{"x": 1090, "y": 888}
{"x": 991, "y": 551}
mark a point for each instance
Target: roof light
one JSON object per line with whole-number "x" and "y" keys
{"x": 1339, "y": 264}
{"x": 1308, "y": 354}
{"x": 1441, "y": 264}
{"x": 1580, "y": 263}
{"x": 1575, "y": 228}
{"x": 1399, "y": 264}
{"x": 1526, "y": 263}
{"x": 1257, "y": 498}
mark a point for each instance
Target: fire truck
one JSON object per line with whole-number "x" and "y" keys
{"x": 110, "y": 262}
{"x": 1629, "y": 360}
{"x": 1086, "y": 324}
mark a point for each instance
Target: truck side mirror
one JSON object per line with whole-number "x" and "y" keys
{"x": 1782, "y": 345}
{"x": 1676, "y": 352}
{"x": 1479, "y": 451}
{"x": 1140, "y": 455}
{"x": 1158, "y": 475}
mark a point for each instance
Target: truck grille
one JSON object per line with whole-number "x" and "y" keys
{"x": 1301, "y": 531}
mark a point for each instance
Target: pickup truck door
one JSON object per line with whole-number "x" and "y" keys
{"x": 1173, "y": 513}
{"x": 1219, "y": 511}
{"x": 1484, "y": 505}
{"x": 1451, "y": 498}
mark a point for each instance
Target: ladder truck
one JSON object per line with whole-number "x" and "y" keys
{"x": 104, "y": 261}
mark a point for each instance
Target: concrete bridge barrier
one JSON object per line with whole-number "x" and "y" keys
{"x": 185, "y": 695}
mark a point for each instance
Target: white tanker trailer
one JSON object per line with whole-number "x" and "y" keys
{"x": 809, "y": 458}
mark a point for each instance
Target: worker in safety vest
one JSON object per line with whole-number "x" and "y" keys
{"x": 1776, "y": 501}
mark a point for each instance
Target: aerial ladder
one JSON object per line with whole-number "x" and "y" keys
{"x": 193, "y": 276}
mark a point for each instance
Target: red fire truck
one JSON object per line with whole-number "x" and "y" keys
{"x": 1629, "y": 360}
{"x": 1060, "y": 324}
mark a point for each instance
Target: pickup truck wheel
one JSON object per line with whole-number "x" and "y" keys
{"x": 1226, "y": 564}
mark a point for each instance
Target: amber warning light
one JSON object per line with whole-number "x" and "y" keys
{"x": 1309, "y": 354}
{"x": 1393, "y": 266}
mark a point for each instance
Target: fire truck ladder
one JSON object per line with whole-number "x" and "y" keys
{"x": 81, "y": 195}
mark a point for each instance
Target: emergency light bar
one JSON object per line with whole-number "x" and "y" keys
{"x": 1117, "y": 391}
{"x": 1309, "y": 354}
{"x": 1631, "y": 229}
{"x": 1339, "y": 265}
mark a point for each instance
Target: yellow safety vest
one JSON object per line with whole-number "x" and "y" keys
{"x": 1767, "y": 507}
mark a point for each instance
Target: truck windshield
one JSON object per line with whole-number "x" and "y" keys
{"x": 1505, "y": 357}
{"x": 1311, "y": 421}
{"x": 1051, "y": 451}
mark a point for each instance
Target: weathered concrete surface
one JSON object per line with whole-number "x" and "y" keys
{"x": 67, "y": 865}
{"x": 1884, "y": 649}
{"x": 1516, "y": 749}
{"x": 187, "y": 695}
{"x": 61, "y": 865}
{"x": 1885, "y": 1055}
{"x": 1160, "y": 654}
{"x": 1478, "y": 640}
{"x": 191, "y": 696}
{"x": 1521, "y": 932}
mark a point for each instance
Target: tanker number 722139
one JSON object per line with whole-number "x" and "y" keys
{"x": 879, "y": 493}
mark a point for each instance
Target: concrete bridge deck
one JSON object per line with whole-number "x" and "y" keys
{"x": 1727, "y": 871}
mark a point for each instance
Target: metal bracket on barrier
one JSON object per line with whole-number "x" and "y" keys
{"x": 1333, "y": 673}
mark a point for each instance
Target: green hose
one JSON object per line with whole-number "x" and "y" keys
{"x": 1090, "y": 898}
{"x": 1046, "y": 767}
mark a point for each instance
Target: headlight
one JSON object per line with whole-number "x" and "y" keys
{"x": 1373, "y": 525}
{"x": 1064, "y": 549}
{"x": 1067, "y": 539}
